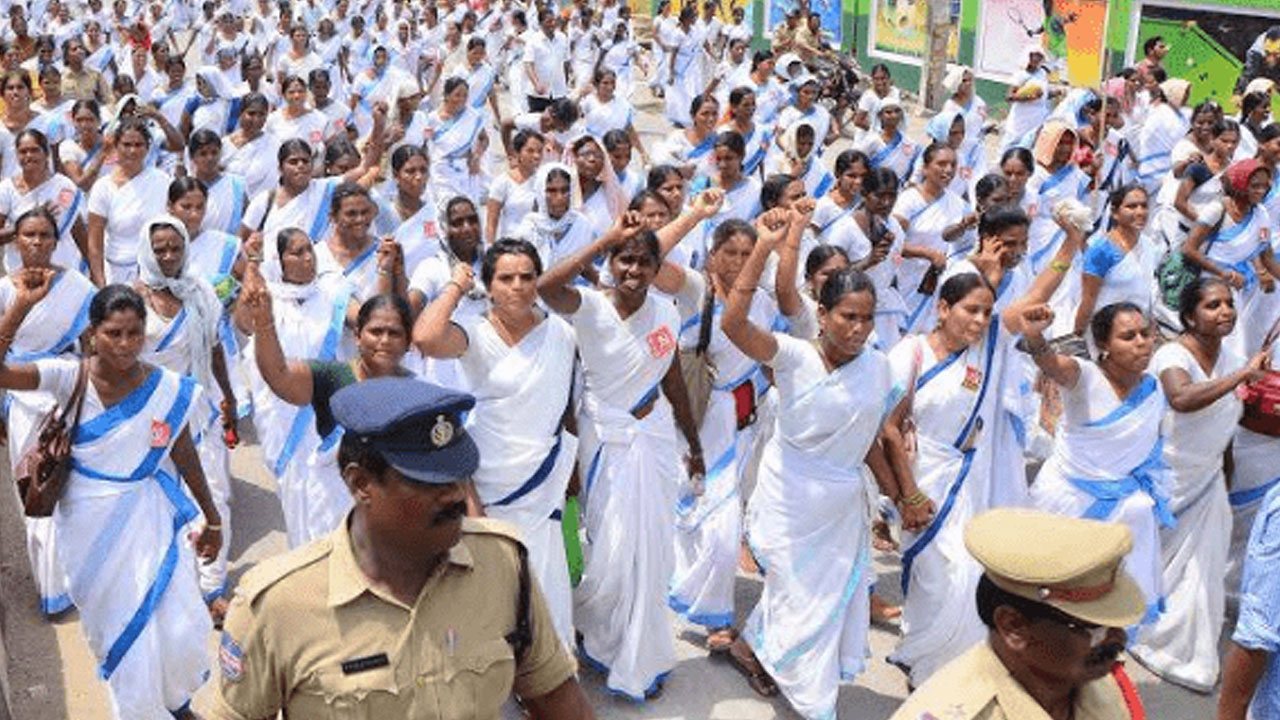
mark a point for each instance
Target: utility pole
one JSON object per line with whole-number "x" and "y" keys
{"x": 934, "y": 66}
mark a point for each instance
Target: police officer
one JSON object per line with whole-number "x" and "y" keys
{"x": 1055, "y": 600}
{"x": 408, "y": 610}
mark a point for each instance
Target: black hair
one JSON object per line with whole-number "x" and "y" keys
{"x": 1151, "y": 43}
{"x": 454, "y": 202}
{"x": 1252, "y": 102}
{"x": 252, "y": 100}
{"x": 880, "y": 179}
{"x": 698, "y": 101}
{"x": 342, "y": 192}
{"x": 316, "y": 74}
{"x": 185, "y": 184}
{"x": 638, "y": 201}
{"x": 820, "y": 256}
{"x": 203, "y": 138}
{"x": 87, "y": 104}
{"x": 1158, "y": 74}
{"x": 738, "y": 94}
{"x": 522, "y": 138}
{"x": 988, "y": 185}
{"x": 957, "y": 287}
{"x": 286, "y": 236}
{"x": 601, "y": 73}
{"x": 1269, "y": 132}
{"x": 454, "y": 83}
{"x": 582, "y": 141}
{"x": 878, "y": 67}
{"x": 36, "y": 212}
{"x": 1117, "y": 196}
{"x": 848, "y": 159}
{"x": 404, "y": 153}
{"x": 115, "y": 298}
{"x": 553, "y": 174}
{"x": 732, "y": 140}
{"x": 760, "y": 56}
{"x": 805, "y": 130}
{"x": 658, "y": 175}
{"x": 1193, "y": 292}
{"x": 932, "y": 151}
{"x": 845, "y": 282}
{"x": 729, "y": 228}
{"x": 990, "y": 597}
{"x": 1020, "y": 154}
{"x": 508, "y": 246}
{"x": 133, "y": 124}
{"x": 385, "y": 300}
{"x": 615, "y": 139}
{"x": 34, "y": 134}
{"x": 353, "y": 450}
{"x": 1000, "y": 218}
{"x": 1102, "y": 321}
{"x": 564, "y": 111}
{"x": 292, "y": 80}
{"x": 1225, "y": 125}
{"x": 646, "y": 240}
{"x": 772, "y": 189}
{"x": 336, "y": 148}
{"x": 291, "y": 147}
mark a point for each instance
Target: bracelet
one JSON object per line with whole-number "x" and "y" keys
{"x": 213, "y": 527}
{"x": 1059, "y": 266}
{"x": 915, "y": 499}
{"x": 736, "y": 288}
{"x": 1037, "y": 349}
{"x": 253, "y": 258}
{"x": 456, "y": 284}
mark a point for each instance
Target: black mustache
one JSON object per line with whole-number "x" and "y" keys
{"x": 1104, "y": 654}
{"x": 450, "y": 513}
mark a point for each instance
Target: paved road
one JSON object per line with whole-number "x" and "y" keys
{"x": 53, "y": 674}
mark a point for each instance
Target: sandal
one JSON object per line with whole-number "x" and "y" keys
{"x": 720, "y": 640}
{"x": 754, "y": 672}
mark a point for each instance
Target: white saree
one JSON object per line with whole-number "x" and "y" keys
{"x": 1182, "y": 646}
{"x": 633, "y": 470}
{"x": 50, "y": 329}
{"x": 1107, "y": 465}
{"x": 121, "y": 529}
{"x": 808, "y": 522}
{"x": 526, "y": 459}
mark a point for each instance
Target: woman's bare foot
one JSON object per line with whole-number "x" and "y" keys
{"x": 720, "y": 640}
{"x": 882, "y": 537}
{"x": 744, "y": 661}
{"x": 747, "y": 561}
{"x": 882, "y": 611}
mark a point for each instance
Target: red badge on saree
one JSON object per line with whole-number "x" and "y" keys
{"x": 159, "y": 434}
{"x": 429, "y": 228}
{"x": 65, "y": 197}
{"x": 972, "y": 378}
{"x": 661, "y": 342}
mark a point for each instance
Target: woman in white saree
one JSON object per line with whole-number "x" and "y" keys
{"x": 951, "y": 381}
{"x": 518, "y": 362}
{"x": 1162, "y": 128}
{"x": 1107, "y": 462}
{"x": 121, "y": 523}
{"x": 809, "y": 518}
{"x": 1199, "y": 374}
{"x": 120, "y": 203}
{"x": 310, "y": 318}
{"x": 633, "y": 399}
{"x": 451, "y": 140}
{"x": 248, "y": 151}
{"x": 51, "y": 328}
{"x": 554, "y": 228}
{"x": 36, "y": 185}
{"x": 182, "y": 335}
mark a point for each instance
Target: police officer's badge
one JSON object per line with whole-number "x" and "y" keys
{"x": 231, "y": 658}
{"x": 441, "y": 432}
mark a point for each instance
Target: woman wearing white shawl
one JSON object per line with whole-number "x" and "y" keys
{"x": 1028, "y": 98}
{"x": 686, "y": 80}
{"x": 120, "y": 203}
{"x": 888, "y": 146}
{"x": 310, "y": 319}
{"x": 1182, "y": 646}
{"x": 1107, "y": 456}
{"x": 951, "y": 381}
{"x": 872, "y": 238}
{"x": 808, "y": 519}
{"x": 690, "y": 149}
{"x": 556, "y": 230}
{"x": 36, "y": 185}
{"x": 1056, "y": 178}
{"x": 51, "y": 328}
{"x": 249, "y": 151}
{"x": 633, "y": 399}
{"x": 1163, "y": 127}
{"x": 1254, "y": 474}
{"x": 182, "y": 335}
{"x": 797, "y": 155}
{"x": 122, "y": 522}
{"x": 935, "y": 221}
{"x": 961, "y": 98}
{"x": 214, "y": 106}
{"x": 518, "y": 363}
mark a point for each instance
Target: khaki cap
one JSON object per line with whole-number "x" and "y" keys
{"x": 1067, "y": 563}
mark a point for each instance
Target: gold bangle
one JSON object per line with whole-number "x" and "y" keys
{"x": 253, "y": 258}
{"x": 213, "y": 527}
{"x": 743, "y": 289}
{"x": 1059, "y": 266}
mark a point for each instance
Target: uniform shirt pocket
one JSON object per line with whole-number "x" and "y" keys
{"x": 364, "y": 695}
{"x": 478, "y": 681}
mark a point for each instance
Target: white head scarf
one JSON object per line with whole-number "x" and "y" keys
{"x": 217, "y": 81}
{"x": 551, "y": 230}
{"x": 196, "y": 294}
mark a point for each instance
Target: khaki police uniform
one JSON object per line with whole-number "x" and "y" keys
{"x": 308, "y": 635}
{"x": 1067, "y": 563}
{"x": 977, "y": 686}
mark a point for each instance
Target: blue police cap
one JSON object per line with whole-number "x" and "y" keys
{"x": 416, "y": 426}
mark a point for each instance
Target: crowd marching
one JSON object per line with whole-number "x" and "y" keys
{"x": 782, "y": 337}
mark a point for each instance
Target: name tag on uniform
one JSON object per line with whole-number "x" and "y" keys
{"x": 370, "y": 662}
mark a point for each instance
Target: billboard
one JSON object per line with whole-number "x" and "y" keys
{"x": 901, "y": 27}
{"x": 1071, "y": 34}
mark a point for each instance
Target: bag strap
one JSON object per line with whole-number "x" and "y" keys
{"x": 271, "y": 201}
{"x": 1272, "y": 335}
{"x": 77, "y": 395}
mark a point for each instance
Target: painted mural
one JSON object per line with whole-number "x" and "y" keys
{"x": 1069, "y": 32}
{"x": 829, "y": 10}
{"x": 901, "y": 28}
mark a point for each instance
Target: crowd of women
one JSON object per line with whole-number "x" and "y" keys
{"x": 772, "y": 341}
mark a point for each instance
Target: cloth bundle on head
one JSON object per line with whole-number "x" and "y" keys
{"x": 217, "y": 81}
{"x": 1176, "y": 91}
{"x": 197, "y": 295}
{"x": 939, "y": 128}
{"x": 789, "y": 144}
{"x": 1117, "y": 89}
{"x": 1049, "y": 138}
{"x": 1238, "y": 174}
{"x": 954, "y": 78}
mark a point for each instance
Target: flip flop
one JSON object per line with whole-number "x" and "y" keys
{"x": 720, "y": 646}
{"x": 757, "y": 678}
